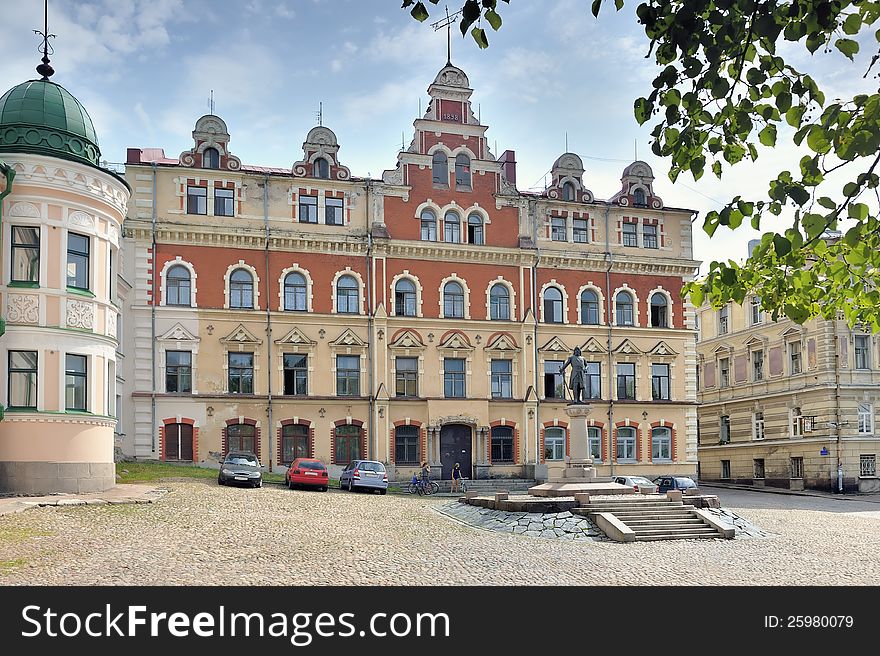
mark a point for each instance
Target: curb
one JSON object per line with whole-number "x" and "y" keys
{"x": 795, "y": 493}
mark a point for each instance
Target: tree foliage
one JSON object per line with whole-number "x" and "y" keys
{"x": 724, "y": 91}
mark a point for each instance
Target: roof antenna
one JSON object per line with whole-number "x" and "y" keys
{"x": 321, "y": 113}
{"x": 636, "y": 149}
{"x": 45, "y": 69}
{"x": 211, "y": 102}
{"x": 401, "y": 139}
{"x": 447, "y": 23}
{"x": 566, "y": 141}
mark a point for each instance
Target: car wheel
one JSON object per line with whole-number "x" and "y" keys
{"x": 350, "y": 486}
{"x": 383, "y": 491}
{"x": 220, "y": 481}
{"x": 289, "y": 485}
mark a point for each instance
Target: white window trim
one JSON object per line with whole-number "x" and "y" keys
{"x": 295, "y": 268}
{"x": 763, "y": 421}
{"x": 453, "y": 277}
{"x": 564, "y": 440}
{"x": 561, "y": 288}
{"x": 241, "y": 264}
{"x": 414, "y": 279}
{"x": 869, "y": 415}
{"x": 511, "y": 296}
{"x": 360, "y": 281}
{"x": 626, "y": 288}
{"x": 163, "y": 275}
{"x": 668, "y": 438}
{"x": 670, "y": 311}
{"x": 600, "y": 297}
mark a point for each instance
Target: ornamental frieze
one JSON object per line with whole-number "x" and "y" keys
{"x": 80, "y": 314}
{"x": 23, "y": 308}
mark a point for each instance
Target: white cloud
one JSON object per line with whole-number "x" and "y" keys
{"x": 283, "y": 11}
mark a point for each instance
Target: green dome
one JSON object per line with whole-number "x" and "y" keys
{"x": 42, "y": 117}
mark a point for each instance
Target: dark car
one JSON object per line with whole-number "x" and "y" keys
{"x": 364, "y": 474}
{"x": 666, "y": 483}
{"x": 240, "y": 468}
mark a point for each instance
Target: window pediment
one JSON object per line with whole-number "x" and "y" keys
{"x": 593, "y": 345}
{"x": 455, "y": 341}
{"x": 177, "y": 333}
{"x": 662, "y": 348}
{"x": 407, "y": 339}
{"x": 348, "y": 339}
{"x": 556, "y": 345}
{"x": 628, "y": 348}
{"x": 241, "y": 335}
{"x": 295, "y": 337}
{"x": 502, "y": 342}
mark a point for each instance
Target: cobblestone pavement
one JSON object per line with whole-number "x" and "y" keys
{"x": 200, "y": 533}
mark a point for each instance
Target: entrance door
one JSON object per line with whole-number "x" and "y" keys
{"x": 178, "y": 442}
{"x": 455, "y": 447}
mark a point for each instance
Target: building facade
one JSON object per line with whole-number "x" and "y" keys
{"x": 61, "y": 226}
{"x": 787, "y": 405}
{"x": 423, "y": 316}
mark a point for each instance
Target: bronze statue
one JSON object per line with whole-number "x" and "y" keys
{"x": 578, "y": 380}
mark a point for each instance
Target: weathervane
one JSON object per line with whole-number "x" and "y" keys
{"x": 45, "y": 69}
{"x": 447, "y": 23}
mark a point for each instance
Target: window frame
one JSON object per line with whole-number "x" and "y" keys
{"x": 629, "y": 234}
{"x": 862, "y": 354}
{"x": 181, "y": 373}
{"x": 553, "y": 308}
{"x": 454, "y": 380}
{"x": 594, "y": 439}
{"x": 299, "y": 375}
{"x": 650, "y": 236}
{"x": 558, "y": 387}
{"x": 240, "y": 372}
{"x": 343, "y": 437}
{"x": 228, "y": 202}
{"x": 407, "y": 442}
{"x": 865, "y": 414}
{"x": 348, "y": 295}
{"x": 476, "y": 230}
{"x": 499, "y": 437}
{"x": 660, "y": 382}
{"x": 238, "y": 289}
{"x": 463, "y": 166}
{"x": 427, "y": 219}
{"x": 625, "y": 311}
{"x": 592, "y": 308}
{"x": 580, "y": 231}
{"x": 81, "y": 260}
{"x": 757, "y": 365}
{"x": 723, "y": 372}
{"x": 298, "y": 293}
{"x": 307, "y": 210}
{"x": 348, "y": 379}
{"x": 724, "y": 429}
{"x": 453, "y": 301}
{"x": 196, "y": 196}
{"x": 334, "y": 207}
{"x": 629, "y": 440}
{"x": 405, "y": 301}
{"x": 295, "y": 433}
{"x": 759, "y": 426}
{"x": 31, "y": 377}
{"x": 558, "y": 228}
{"x": 659, "y": 311}
{"x": 319, "y": 171}
{"x": 661, "y": 436}
{"x": 451, "y": 228}
{"x": 28, "y": 251}
{"x": 406, "y": 380}
{"x": 173, "y": 286}
{"x": 502, "y": 378}
{"x": 795, "y": 356}
{"x": 208, "y": 162}
{"x": 558, "y": 443}
{"x": 625, "y": 382}
{"x": 499, "y": 301}
{"x": 237, "y": 432}
{"x": 80, "y": 378}
{"x": 440, "y": 169}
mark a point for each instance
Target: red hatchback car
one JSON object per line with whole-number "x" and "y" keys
{"x": 308, "y": 472}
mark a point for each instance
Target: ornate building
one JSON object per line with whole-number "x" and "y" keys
{"x": 61, "y": 224}
{"x": 421, "y": 316}
{"x": 787, "y": 405}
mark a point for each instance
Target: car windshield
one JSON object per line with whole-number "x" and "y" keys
{"x": 685, "y": 482}
{"x": 242, "y": 460}
{"x": 372, "y": 466}
{"x": 308, "y": 464}
{"x": 641, "y": 481}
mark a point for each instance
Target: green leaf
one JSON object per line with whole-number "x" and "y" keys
{"x": 852, "y": 24}
{"x": 768, "y": 135}
{"x": 783, "y": 101}
{"x": 858, "y": 211}
{"x": 479, "y": 35}
{"x": 595, "y": 7}
{"x": 641, "y": 110}
{"x": 817, "y": 139}
{"x": 827, "y": 203}
{"x": 853, "y": 235}
{"x": 848, "y": 47}
{"x": 697, "y": 297}
{"x": 419, "y": 12}
{"x": 494, "y": 18}
{"x": 781, "y": 245}
{"x": 793, "y": 116}
{"x": 798, "y": 194}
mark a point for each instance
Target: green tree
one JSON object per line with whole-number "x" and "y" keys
{"x": 722, "y": 91}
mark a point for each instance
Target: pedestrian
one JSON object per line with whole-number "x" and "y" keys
{"x": 426, "y": 475}
{"x": 456, "y": 477}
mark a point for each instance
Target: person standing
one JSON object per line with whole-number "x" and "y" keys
{"x": 456, "y": 477}
{"x": 426, "y": 475}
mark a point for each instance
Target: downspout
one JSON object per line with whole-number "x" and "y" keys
{"x": 270, "y": 368}
{"x": 371, "y": 449}
{"x": 608, "y": 322}
{"x": 533, "y": 219}
{"x": 153, "y": 302}
{"x": 837, "y": 405}
{"x": 9, "y": 173}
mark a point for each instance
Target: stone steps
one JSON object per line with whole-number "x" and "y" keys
{"x": 679, "y": 536}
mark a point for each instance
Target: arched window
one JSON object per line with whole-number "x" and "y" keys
{"x": 295, "y": 290}
{"x": 294, "y": 442}
{"x": 553, "y": 305}
{"x": 462, "y": 171}
{"x": 661, "y": 444}
{"x": 321, "y": 168}
{"x": 347, "y": 295}
{"x": 626, "y": 443}
{"x": 405, "y": 298}
{"x": 241, "y": 437}
{"x": 241, "y": 290}
{"x": 452, "y": 228}
{"x": 440, "y": 169}
{"x": 659, "y": 311}
{"x": 589, "y": 308}
{"x": 554, "y": 443}
{"x": 568, "y": 192}
{"x": 502, "y": 444}
{"x": 429, "y": 226}
{"x": 210, "y": 159}
{"x": 639, "y": 198}
{"x": 475, "y": 230}
{"x": 624, "y": 302}
{"x": 178, "y": 286}
{"x": 499, "y": 302}
{"x": 453, "y": 301}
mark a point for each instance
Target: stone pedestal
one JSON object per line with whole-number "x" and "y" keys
{"x": 578, "y": 466}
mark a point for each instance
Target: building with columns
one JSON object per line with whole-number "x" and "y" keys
{"x": 62, "y": 216}
{"x": 426, "y": 315}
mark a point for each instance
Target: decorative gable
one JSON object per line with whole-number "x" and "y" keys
{"x": 662, "y": 348}
{"x": 502, "y": 342}
{"x": 177, "y": 333}
{"x": 348, "y": 338}
{"x": 241, "y": 335}
{"x": 407, "y": 339}
{"x": 593, "y": 346}
{"x": 626, "y": 347}
{"x": 456, "y": 341}
{"x": 295, "y": 337}
{"x": 210, "y": 132}
{"x": 756, "y": 342}
{"x": 321, "y": 143}
{"x": 556, "y": 345}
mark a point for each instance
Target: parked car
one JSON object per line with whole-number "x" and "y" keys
{"x": 240, "y": 468}
{"x": 307, "y": 472}
{"x": 666, "y": 483}
{"x": 368, "y": 474}
{"x": 636, "y": 482}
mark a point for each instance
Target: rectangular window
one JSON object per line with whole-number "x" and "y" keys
{"x": 348, "y": 375}
{"x": 178, "y": 371}
{"x": 557, "y": 229}
{"x": 758, "y": 425}
{"x": 308, "y": 209}
{"x": 759, "y": 468}
{"x": 594, "y": 380}
{"x": 649, "y": 236}
{"x": 76, "y": 382}
{"x": 406, "y": 445}
{"x": 502, "y": 444}
{"x": 196, "y": 200}
{"x": 660, "y": 382}
{"x": 333, "y": 211}
{"x": 794, "y": 357}
{"x": 723, "y": 320}
{"x": 630, "y": 234}
{"x": 866, "y": 419}
{"x": 429, "y": 229}
{"x": 724, "y": 433}
{"x": 224, "y": 202}
{"x": 241, "y": 373}
{"x": 797, "y": 467}
{"x": 78, "y": 247}
{"x": 757, "y": 365}
{"x": 296, "y": 374}
{"x": 725, "y": 469}
{"x": 25, "y": 255}
{"x": 407, "y": 376}
{"x": 661, "y": 444}
{"x": 862, "y": 351}
{"x": 580, "y": 231}
{"x": 452, "y": 229}
{"x": 553, "y": 380}
{"x": 724, "y": 368}
{"x": 22, "y": 379}
{"x": 797, "y": 422}
{"x": 756, "y": 313}
{"x": 594, "y": 439}
{"x": 502, "y": 379}
{"x": 454, "y": 378}
{"x": 868, "y": 464}
{"x": 626, "y": 380}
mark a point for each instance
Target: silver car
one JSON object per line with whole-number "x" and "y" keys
{"x": 364, "y": 474}
{"x": 636, "y": 482}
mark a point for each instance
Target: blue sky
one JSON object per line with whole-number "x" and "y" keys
{"x": 144, "y": 70}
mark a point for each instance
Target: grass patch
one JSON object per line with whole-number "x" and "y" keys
{"x": 149, "y": 472}
{"x": 6, "y": 566}
{"x": 13, "y": 535}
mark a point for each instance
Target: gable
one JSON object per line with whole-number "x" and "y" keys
{"x": 178, "y": 333}
{"x": 456, "y": 341}
{"x": 592, "y": 346}
{"x": 662, "y": 348}
{"x": 295, "y": 336}
{"x": 556, "y": 345}
{"x": 241, "y": 335}
{"x": 501, "y": 342}
{"x": 348, "y": 338}
{"x": 407, "y": 339}
{"x": 626, "y": 346}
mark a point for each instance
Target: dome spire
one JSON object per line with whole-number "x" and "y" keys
{"x": 45, "y": 69}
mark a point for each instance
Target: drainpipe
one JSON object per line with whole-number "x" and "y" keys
{"x": 837, "y": 405}
{"x": 269, "y": 368}
{"x": 371, "y": 450}
{"x": 609, "y": 323}
{"x": 534, "y": 291}
{"x": 153, "y": 323}
{"x": 9, "y": 173}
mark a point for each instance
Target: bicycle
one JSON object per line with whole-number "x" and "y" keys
{"x": 418, "y": 486}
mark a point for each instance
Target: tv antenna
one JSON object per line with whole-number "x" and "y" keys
{"x": 447, "y": 23}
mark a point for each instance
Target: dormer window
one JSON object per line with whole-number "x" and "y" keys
{"x": 321, "y": 168}
{"x": 462, "y": 172}
{"x": 568, "y": 192}
{"x": 211, "y": 159}
{"x": 639, "y": 198}
{"x": 440, "y": 169}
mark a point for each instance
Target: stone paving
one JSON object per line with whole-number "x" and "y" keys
{"x": 545, "y": 525}
{"x": 199, "y": 533}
